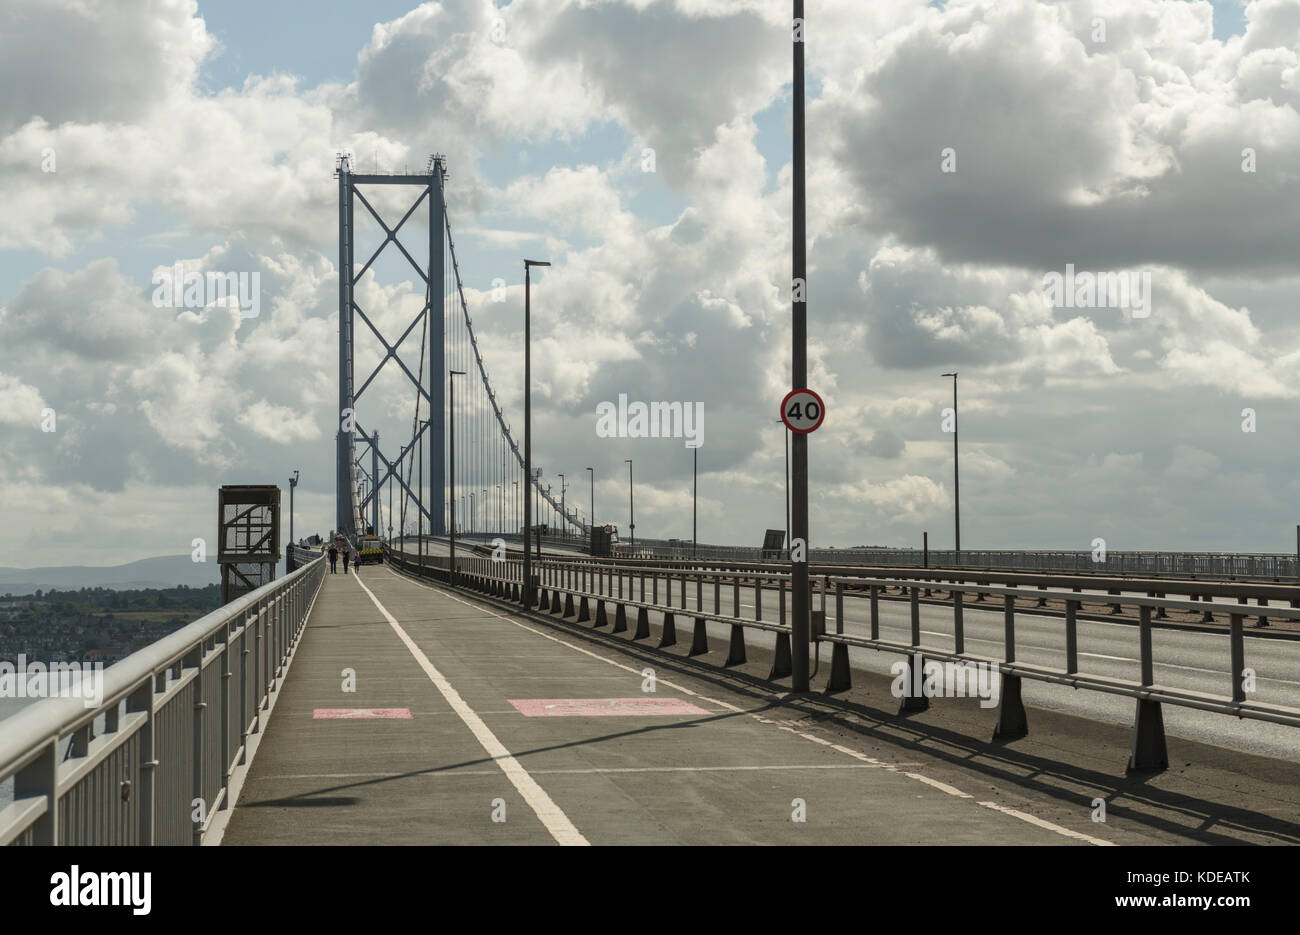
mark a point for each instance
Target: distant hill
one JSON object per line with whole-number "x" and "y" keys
{"x": 164, "y": 571}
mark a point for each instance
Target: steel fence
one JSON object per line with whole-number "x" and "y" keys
{"x": 178, "y": 719}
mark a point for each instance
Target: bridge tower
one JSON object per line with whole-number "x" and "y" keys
{"x": 430, "y": 381}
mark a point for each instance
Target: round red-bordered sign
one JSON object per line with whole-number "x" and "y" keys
{"x": 802, "y": 411}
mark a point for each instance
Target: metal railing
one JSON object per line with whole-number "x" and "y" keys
{"x": 178, "y": 720}
{"x": 1245, "y": 565}
{"x": 569, "y": 589}
{"x": 1148, "y": 743}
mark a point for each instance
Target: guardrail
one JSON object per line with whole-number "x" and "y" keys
{"x": 571, "y": 588}
{"x": 1264, "y": 592}
{"x": 181, "y": 719}
{"x": 1262, "y": 565}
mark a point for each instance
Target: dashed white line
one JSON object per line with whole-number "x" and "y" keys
{"x": 1035, "y": 820}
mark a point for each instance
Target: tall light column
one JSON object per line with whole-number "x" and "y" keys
{"x": 956, "y": 489}
{"x": 631, "y": 512}
{"x": 451, "y": 461}
{"x": 528, "y": 421}
{"x": 800, "y": 624}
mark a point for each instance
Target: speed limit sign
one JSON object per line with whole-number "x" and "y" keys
{"x": 802, "y": 411}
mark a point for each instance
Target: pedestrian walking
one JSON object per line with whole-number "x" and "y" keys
{"x": 347, "y": 553}
{"x": 334, "y": 560}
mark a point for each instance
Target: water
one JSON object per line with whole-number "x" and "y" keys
{"x": 10, "y": 707}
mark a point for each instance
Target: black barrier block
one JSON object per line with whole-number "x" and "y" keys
{"x": 700, "y": 638}
{"x": 840, "y": 680}
{"x": 642, "y": 624}
{"x": 914, "y": 699}
{"x": 1149, "y": 751}
{"x": 1012, "y": 721}
{"x": 736, "y": 651}
{"x": 781, "y": 664}
{"x": 669, "y": 635}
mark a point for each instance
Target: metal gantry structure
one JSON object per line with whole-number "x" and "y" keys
{"x": 487, "y": 454}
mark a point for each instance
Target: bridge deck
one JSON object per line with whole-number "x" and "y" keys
{"x": 725, "y": 769}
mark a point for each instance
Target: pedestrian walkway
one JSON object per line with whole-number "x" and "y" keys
{"x": 414, "y": 716}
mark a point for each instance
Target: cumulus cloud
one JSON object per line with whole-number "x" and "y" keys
{"x": 1122, "y": 153}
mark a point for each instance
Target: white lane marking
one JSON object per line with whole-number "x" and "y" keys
{"x": 893, "y": 768}
{"x": 941, "y": 786}
{"x": 1034, "y": 820}
{"x": 550, "y": 815}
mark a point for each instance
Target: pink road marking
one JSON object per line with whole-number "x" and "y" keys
{"x": 352, "y": 713}
{"x": 604, "y": 707}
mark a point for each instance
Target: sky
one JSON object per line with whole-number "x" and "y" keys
{"x": 960, "y": 154}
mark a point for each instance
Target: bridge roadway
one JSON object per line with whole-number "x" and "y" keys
{"x": 721, "y": 765}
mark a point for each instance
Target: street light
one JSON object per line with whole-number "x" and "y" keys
{"x": 528, "y": 419}
{"x": 956, "y": 490}
{"x": 451, "y": 436}
{"x": 631, "y": 513}
{"x": 564, "y": 517}
{"x": 293, "y": 482}
{"x": 537, "y": 504}
{"x": 695, "y": 489}
{"x": 801, "y": 598}
{"x": 593, "y": 501}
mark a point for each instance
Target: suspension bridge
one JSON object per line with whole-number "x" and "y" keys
{"x": 523, "y": 690}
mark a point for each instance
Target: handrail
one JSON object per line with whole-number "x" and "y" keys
{"x": 119, "y": 787}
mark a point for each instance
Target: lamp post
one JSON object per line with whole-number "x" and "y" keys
{"x": 528, "y": 418}
{"x": 956, "y": 489}
{"x": 419, "y": 504}
{"x": 516, "y": 508}
{"x": 564, "y": 517}
{"x": 631, "y": 513}
{"x": 293, "y": 482}
{"x": 537, "y": 503}
{"x": 451, "y": 460}
{"x": 695, "y": 489}
{"x": 800, "y": 623}
{"x": 593, "y": 501}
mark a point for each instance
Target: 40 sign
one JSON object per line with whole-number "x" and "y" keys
{"x": 802, "y": 411}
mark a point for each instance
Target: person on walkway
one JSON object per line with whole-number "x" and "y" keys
{"x": 347, "y": 553}
{"x": 334, "y": 560}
